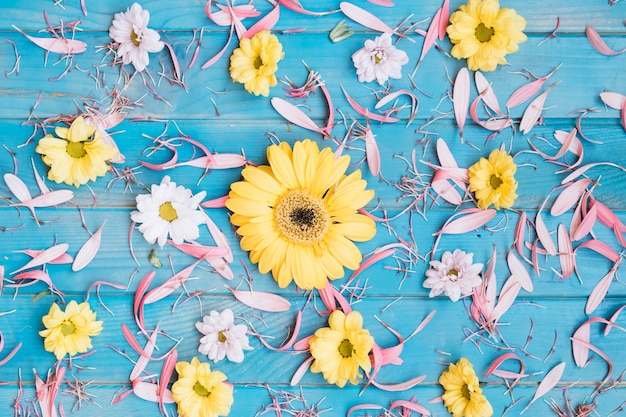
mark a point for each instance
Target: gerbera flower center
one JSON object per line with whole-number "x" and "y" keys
{"x": 302, "y": 217}
{"x": 221, "y": 337}
{"x": 495, "y": 181}
{"x": 168, "y": 212}
{"x": 483, "y": 33}
{"x": 67, "y": 328}
{"x": 345, "y": 348}
{"x": 201, "y": 389}
{"x": 453, "y": 275}
{"x": 76, "y": 149}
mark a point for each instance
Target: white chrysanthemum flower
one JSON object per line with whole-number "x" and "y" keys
{"x": 169, "y": 211}
{"x": 222, "y": 338}
{"x": 130, "y": 30}
{"x": 379, "y": 60}
{"x": 454, "y": 274}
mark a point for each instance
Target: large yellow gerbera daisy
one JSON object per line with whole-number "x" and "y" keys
{"x": 341, "y": 349}
{"x": 255, "y": 61}
{"x": 200, "y": 392}
{"x": 484, "y": 33}
{"x": 493, "y": 180}
{"x": 69, "y": 331}
{"x": 78, "y": 154}
{"x": 298, "y": 216}
{"x": 463, "y": 396}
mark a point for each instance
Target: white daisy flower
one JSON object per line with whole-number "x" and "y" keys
{"x": 222, "y": 338}
{"x": 454, "y": 274}
{"x": 130, "y": 30}
{"x": 169, "y": 211}
{"x": 379, "y": 60}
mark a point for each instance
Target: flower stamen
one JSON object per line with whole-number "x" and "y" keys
{"x": 453, "y": 275}
{"x": 345, "y": 348}
{"x": 135, "y": 38}
{"x": 483, "y": 33}
{"x": 302, "y": 217}
{"x": 167, "y": 212}
{"x": 67, "y": 328}
{"x": 76, "y": 149}
{"x": 201, "y": 390}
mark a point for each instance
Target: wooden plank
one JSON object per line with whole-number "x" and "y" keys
{"x": 443, "y": 339}
{"x": 576, "y": 91}
{"x": 190, "y": 14}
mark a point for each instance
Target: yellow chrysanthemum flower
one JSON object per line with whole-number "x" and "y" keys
{"x": 483, "y": 33}
{"x": 341, "y": 349}
{"x": 493, "y": 180}
{"x": 69, "y": 331}
{"x": 78, "y": 154}
{"x": 255, "y": 61}
{"x": 298, "y": 216}
{"x": 463, "y": 396}
{"x": 200, "y": 392}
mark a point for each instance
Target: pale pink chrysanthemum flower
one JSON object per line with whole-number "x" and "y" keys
{"x": 455, "y": 275}
{"x": 222, "y": 337}
{"x": 379, "y": 60}
{"x": 130, "y": 30}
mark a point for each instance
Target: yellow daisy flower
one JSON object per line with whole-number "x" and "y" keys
{"x": 69, "y": 331}
{"x": 255, "y": 61}
{"x": 77, "y": 155}
{"x": 493, "y": 180}
{"x": 484, "y": 33}
{"x": 200, "y": 392}
{"x": 463, "y": 396}
{"x": 298, "y": 216}
{"x": 341, "y": 349}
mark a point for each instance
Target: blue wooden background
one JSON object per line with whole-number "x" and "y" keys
{"x": 556, "y": 307}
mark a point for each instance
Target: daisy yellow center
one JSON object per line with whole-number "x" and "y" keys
{"x": 221, "y": 337}
{"x": 258, "y": 62}
{"x": 67, "y": 328}
{"x": 75, "y": 149}
{"x": 200, "y": 390}
{"x": 302, "y": 217}
{"x": 135, "y": 38}
{"x": 453, "y": 275}
{"x": 345, "y": 348}
{"x": 483, "y": 33}
{"x": 168, "y": 212}
{"x": 495, "y": 181}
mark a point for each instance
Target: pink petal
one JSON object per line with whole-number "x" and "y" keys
{"x": 486, "y": 91}
{"x": 297, "y": 376}
{"x": 569, "y": 197}
{"x": 364, "y": 112}
{"x": 150, "y": 392}
{"x": 264, "y": 301}
{"x": 45, "y": 256}
{"x": 549, "y": 381}
{"x": 471, "y": 219}
{"x": 221, "y": 52}
{"x": 587, "y": 223}
{"x": 56, "y": 45}
{"x": 365, "y": 18}
{"x": 17, "y": 187}
{"x": 50, "y": 199}
{"x": 599, "y": 291}
{"x": 566, "y": 255}
{"x": 598, "y": 43}
{"x": 267, "y": 22}
{"x": 507, "y": 296}
{"x": 601, "y": 248}
{"x": 88, "y": 251}
{"x": 544, "y": 235}
{"x": 614, "y": 100}
{"x": 170, "y": 285}
{"x": 460, "y": 98}
{"x": 533, "y": 111}
{"x": 294, "y": 114}
{"x": 519, "y": 272}
{"x": 528, "y": 90}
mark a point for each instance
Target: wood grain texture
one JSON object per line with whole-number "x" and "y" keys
{"x": 226, "y": 119}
